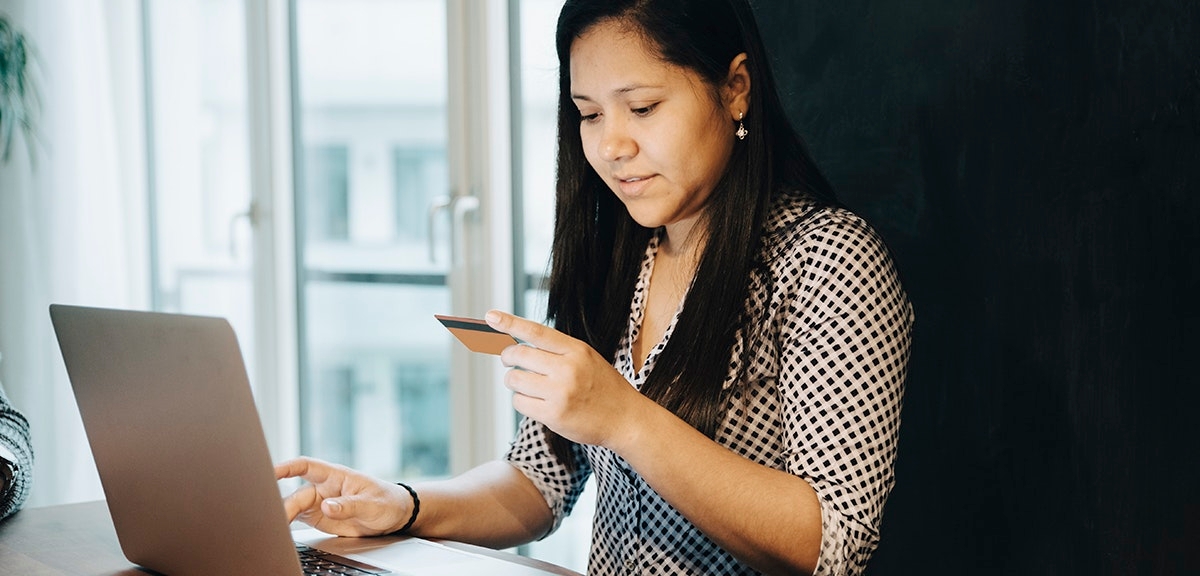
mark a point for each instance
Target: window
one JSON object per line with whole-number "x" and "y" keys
{"x": 535, "y": 120}
{"x": 395, "y": 206}
{"x": 327, "y": 189}
{"x": 420, "y": 178}
{"x": 372, "y": 116}
{"x": 199, "y": 157}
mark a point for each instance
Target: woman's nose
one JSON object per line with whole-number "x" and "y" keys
{"x": 616, "y": 142}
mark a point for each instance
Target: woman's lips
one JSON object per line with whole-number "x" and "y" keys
{"x": 634, "y": 185}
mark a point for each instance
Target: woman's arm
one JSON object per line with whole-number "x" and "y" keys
{"x": 767, "y": 518}
{"x": 491, "y": 505}
{"x": 842, "y": 358}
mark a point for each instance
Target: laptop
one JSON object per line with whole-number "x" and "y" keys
{"x": 189, "y": 481}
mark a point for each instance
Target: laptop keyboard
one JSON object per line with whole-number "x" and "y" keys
{"x": 321, "y": 563}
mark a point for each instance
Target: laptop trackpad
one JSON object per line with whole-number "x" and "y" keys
{"x": 413, "y": 556}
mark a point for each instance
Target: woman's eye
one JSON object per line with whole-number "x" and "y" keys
{"x": 645, "y": 110}
{"x": 589, "y": 118}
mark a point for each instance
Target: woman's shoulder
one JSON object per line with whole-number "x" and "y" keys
{"x": 798, "y": 224}
{"x": 813, "y": 250}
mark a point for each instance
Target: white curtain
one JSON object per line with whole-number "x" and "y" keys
{"x": 72, "y": 223}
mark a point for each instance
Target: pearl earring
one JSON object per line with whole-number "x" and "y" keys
{"x": 741, "y": 131}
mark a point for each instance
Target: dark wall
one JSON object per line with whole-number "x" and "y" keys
{"x": 1035, "y": 167}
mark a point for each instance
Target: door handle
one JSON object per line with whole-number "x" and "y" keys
{"x": 252, "y": 214}
{"x": 436, "y": 206}
{"x": 464, "y": 207}
{"x": 461, "y": 207}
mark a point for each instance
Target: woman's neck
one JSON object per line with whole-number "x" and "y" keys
{"x": 684, "y": 241}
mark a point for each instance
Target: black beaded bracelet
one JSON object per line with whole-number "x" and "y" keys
{"x": 416, "y": 508}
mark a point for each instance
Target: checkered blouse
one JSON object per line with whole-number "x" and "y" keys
{"x": 820, "y": 399}
{"x": 14, "y": 436}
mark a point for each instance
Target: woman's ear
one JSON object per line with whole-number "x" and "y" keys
{"x": 736, "y": 91}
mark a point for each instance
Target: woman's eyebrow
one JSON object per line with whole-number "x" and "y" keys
{"x": 618, "y": 91}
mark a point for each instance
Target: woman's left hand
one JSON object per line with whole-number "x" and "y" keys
{"x": 565, "y": 384}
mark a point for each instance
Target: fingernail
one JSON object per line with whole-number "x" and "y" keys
{"x": 334, "y": 505}
{"x": 492, "y": 317}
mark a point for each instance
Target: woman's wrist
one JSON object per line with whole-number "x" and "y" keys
{"x": 628, "y": 433}
{"x": 416, "y": 509}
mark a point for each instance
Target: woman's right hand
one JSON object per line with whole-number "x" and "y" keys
{"x": 339, "y": 500}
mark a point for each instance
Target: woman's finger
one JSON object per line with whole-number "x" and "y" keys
{"x": 529, "y": 406}
{"x": 529, "y": 359}
{"x": 310, "y": 470}
{"x": 539, "y": 335}
{"x": 527, "y": 383}
{"x": 304, "y": 499}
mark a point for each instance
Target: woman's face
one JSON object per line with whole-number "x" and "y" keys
{"x": 653, "y": 131}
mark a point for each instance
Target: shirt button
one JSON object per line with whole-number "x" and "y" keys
{"x": 630, "y": 564}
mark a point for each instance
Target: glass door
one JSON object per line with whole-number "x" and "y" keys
{"x": 383, "y": 226}
{"x": 210, "y": 68}
{"x": 198, "y": 154}
{"x": 535, "y": 105}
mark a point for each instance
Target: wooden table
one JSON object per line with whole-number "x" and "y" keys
{"x": 78, "y": 539}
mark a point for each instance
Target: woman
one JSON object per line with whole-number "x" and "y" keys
{"x": 729, "y": 346}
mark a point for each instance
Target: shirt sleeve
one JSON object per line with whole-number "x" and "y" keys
{"x": 559, "y": 485}
{"x": 14, "y": 437}
{"x": 844, "y": 348}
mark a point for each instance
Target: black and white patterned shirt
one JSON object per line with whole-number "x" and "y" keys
{"x": 820, "y": 399}
{"x": 14, "y": 438}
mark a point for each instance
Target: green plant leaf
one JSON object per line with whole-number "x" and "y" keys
{"x": 19, "y": 99}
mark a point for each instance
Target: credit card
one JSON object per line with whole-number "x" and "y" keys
{"x": 476, "y": 335}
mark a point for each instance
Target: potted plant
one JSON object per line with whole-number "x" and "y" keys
{"x": 18, "y": 109}
{"x": 18, "y": 94}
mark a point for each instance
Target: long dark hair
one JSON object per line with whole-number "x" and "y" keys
{"x": 598, "y": 247}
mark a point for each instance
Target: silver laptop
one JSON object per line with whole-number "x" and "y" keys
{"x": 180, "y": 450}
